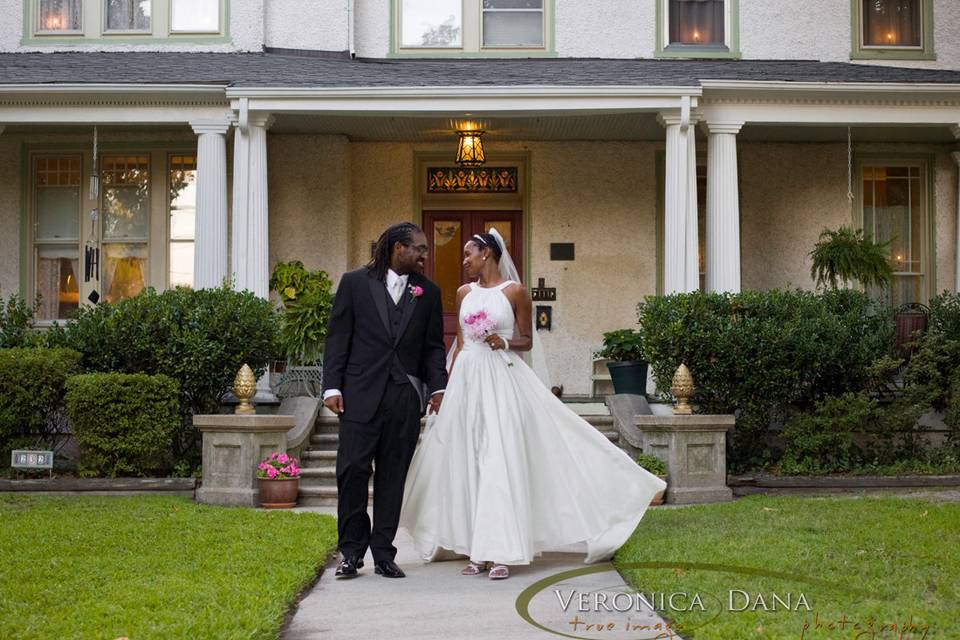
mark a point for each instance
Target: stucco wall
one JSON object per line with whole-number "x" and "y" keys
{"x": 246, "y": 32}
{"x": 790, "y": 192}
{"x": 9, "y": 216}
{"x": 600, "y": 196}
{"x": 309, "y": 200}
{"x": 307, "y": 24}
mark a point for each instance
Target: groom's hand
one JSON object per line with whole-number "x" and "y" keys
{"x": 435, "y": 401}
{"x": 335, "y": 404}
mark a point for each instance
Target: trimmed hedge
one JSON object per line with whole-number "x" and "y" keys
{"x": 198, "y": 338}
{"x": 761, "y": 355}
{"x": 125, "y": 423}
{"x": 31, "y": 402}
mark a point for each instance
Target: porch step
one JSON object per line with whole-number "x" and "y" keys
{"x": 320, "y": 496}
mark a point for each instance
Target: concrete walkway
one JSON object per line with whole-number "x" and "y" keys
{"x": 434, "y": 601}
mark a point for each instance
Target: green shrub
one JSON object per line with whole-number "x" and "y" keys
{"x": 652, "y": 463}
{"x": 622, "y": 345}
{"x": 945, "y": 315}
{"x": 822, "y": 441}
{"x": 199, "y": 338}
{"x": 307, "y": 300}
{"x": 761, "y": 355}
{"x": 125, "y": 423}
{"x": 31, "y": 402}
{"x": 16, "y": 323}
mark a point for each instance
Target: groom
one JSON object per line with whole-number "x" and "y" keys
{"x": 383, "y": 361}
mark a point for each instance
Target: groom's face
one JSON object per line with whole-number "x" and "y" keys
{"x": 411, "y": 256}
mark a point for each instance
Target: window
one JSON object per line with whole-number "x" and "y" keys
{"x": 128, "y": 15}
{"x": 195, "y": 16}
{"x": 183, "y": 218}
{"x": 698, "y": 28}
{"x": 895, "y": 29}
{"x": 56, "y": 234}
{"x": 512, "y": 23}
{"x": 126, "y": 223}
{"x": 125, "y": 21}
{"x": 894, "y": 208}
{"x": 59, "y": 16}
{"x": 472, "y": 27}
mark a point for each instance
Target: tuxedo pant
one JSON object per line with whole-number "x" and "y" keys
{"x": 387, "y": 443}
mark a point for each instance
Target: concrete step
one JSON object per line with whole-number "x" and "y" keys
{"x": 315, "y": 457}
{"x": 326, "y": 443}
{"x": 320, "y": 496}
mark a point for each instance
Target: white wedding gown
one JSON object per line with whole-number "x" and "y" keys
{"x": 507, "y": 471}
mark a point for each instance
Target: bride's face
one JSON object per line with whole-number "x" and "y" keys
{"x": 473, "y": 260}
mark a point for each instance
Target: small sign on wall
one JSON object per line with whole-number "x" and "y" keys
{"x": 20, "y": 459}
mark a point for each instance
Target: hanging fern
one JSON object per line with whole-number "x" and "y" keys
{"x": 846, "y": 255}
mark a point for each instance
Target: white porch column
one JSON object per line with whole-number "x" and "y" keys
{"x": 723, "y": 209}
{"x": 249, "y": 256}
{"x": 680, "y": 240}
{"x": 210, "y": 244}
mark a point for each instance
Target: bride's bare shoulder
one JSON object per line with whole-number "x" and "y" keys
{"x": 462, "y": 291}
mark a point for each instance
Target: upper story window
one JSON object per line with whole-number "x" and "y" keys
{"x": 125, "y": 21}
{"x": 472, "y": 27}
{"x": 894, "y": 29}
{"x": 698, "y": 28}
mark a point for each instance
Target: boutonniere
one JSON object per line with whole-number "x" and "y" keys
{"x": 415, "y": 292}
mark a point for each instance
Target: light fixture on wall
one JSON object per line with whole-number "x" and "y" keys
{"x": 470, "y": 148}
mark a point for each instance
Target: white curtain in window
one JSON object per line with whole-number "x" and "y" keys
{"x": 128, "y": 15}
{"x": 195, "y": 15}
{"x": 60, "y": 15}
{"x": 892, "y": 23}
{"x": 697, "y": 22}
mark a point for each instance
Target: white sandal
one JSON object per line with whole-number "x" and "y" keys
{"x": 499, "y": 572}
{"x": 474, "y": 568}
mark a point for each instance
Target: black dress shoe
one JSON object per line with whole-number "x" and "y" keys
{"x": 389, "y": 569}
{"x": 348, "y": 568}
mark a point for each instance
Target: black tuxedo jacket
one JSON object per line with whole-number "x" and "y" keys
{"x": 359, "y": 349}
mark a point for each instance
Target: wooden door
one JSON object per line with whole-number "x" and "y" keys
{"x": 447, "y": 232}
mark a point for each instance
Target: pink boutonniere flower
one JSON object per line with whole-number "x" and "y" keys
{"x": 415, "y": 291}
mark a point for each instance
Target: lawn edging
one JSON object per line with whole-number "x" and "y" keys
{"x": 183, "y": 487}
{"x": 758, "y": 483}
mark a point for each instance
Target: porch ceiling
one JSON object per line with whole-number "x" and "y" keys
{"x": 373, "y": 128}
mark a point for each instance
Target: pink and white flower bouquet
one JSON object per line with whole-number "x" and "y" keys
{"x": 479, "y": 326}
{"x": 278, "y": 466}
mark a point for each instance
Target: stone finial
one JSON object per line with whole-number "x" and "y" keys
{"x": 682, "y": 389}
{"x": 245, "y": 387}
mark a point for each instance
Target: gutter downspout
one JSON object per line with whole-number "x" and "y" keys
{"x": 351, "y": 9}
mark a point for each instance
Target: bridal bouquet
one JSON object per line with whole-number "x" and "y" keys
{"x": 479, "y": 326}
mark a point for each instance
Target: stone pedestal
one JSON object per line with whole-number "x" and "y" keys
{"x": 233, "y": 446}
{"x": 694, "y": 448}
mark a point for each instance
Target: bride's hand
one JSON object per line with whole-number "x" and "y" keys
{"x": 495, "y": 341}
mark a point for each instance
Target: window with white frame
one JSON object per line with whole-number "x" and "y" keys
{"x": 894, "y": 208}
{"x": 182, "y": 190}
{"x": 127, "y": 20}
{"x": 703, "y": 28}
{"x": 145, "y": 229}
{"x": 56, "y": 234}
{"x": 471, "y": 26}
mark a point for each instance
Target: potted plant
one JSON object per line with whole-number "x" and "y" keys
{"x": 278, "y": 478}
{"x": 628, "y": 370}
{"x": 657, "y": 467}
{"x": 846, "y": 255}
{"x": 306, "y": 299}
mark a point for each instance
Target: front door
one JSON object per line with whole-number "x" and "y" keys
{"x": 447, "y": 232}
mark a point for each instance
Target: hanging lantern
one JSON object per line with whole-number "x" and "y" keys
{"x": 470, "y": 149}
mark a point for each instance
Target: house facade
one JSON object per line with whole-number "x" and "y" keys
{"x": 631, "y": 148}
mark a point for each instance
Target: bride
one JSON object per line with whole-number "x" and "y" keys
{"x": 506, "y": 470}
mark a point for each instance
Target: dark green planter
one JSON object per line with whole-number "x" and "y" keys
{"x": 629, "y": 377}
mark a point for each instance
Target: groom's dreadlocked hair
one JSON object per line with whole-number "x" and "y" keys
{"x": 380, "y": 262}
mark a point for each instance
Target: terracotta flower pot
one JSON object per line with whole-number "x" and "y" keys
{"x": 278, "y": 494}
{"x": 658, "y": 497}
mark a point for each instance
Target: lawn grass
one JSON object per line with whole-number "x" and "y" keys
{"x": 889, "y": 560}
{"x": 152, "y": 567}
